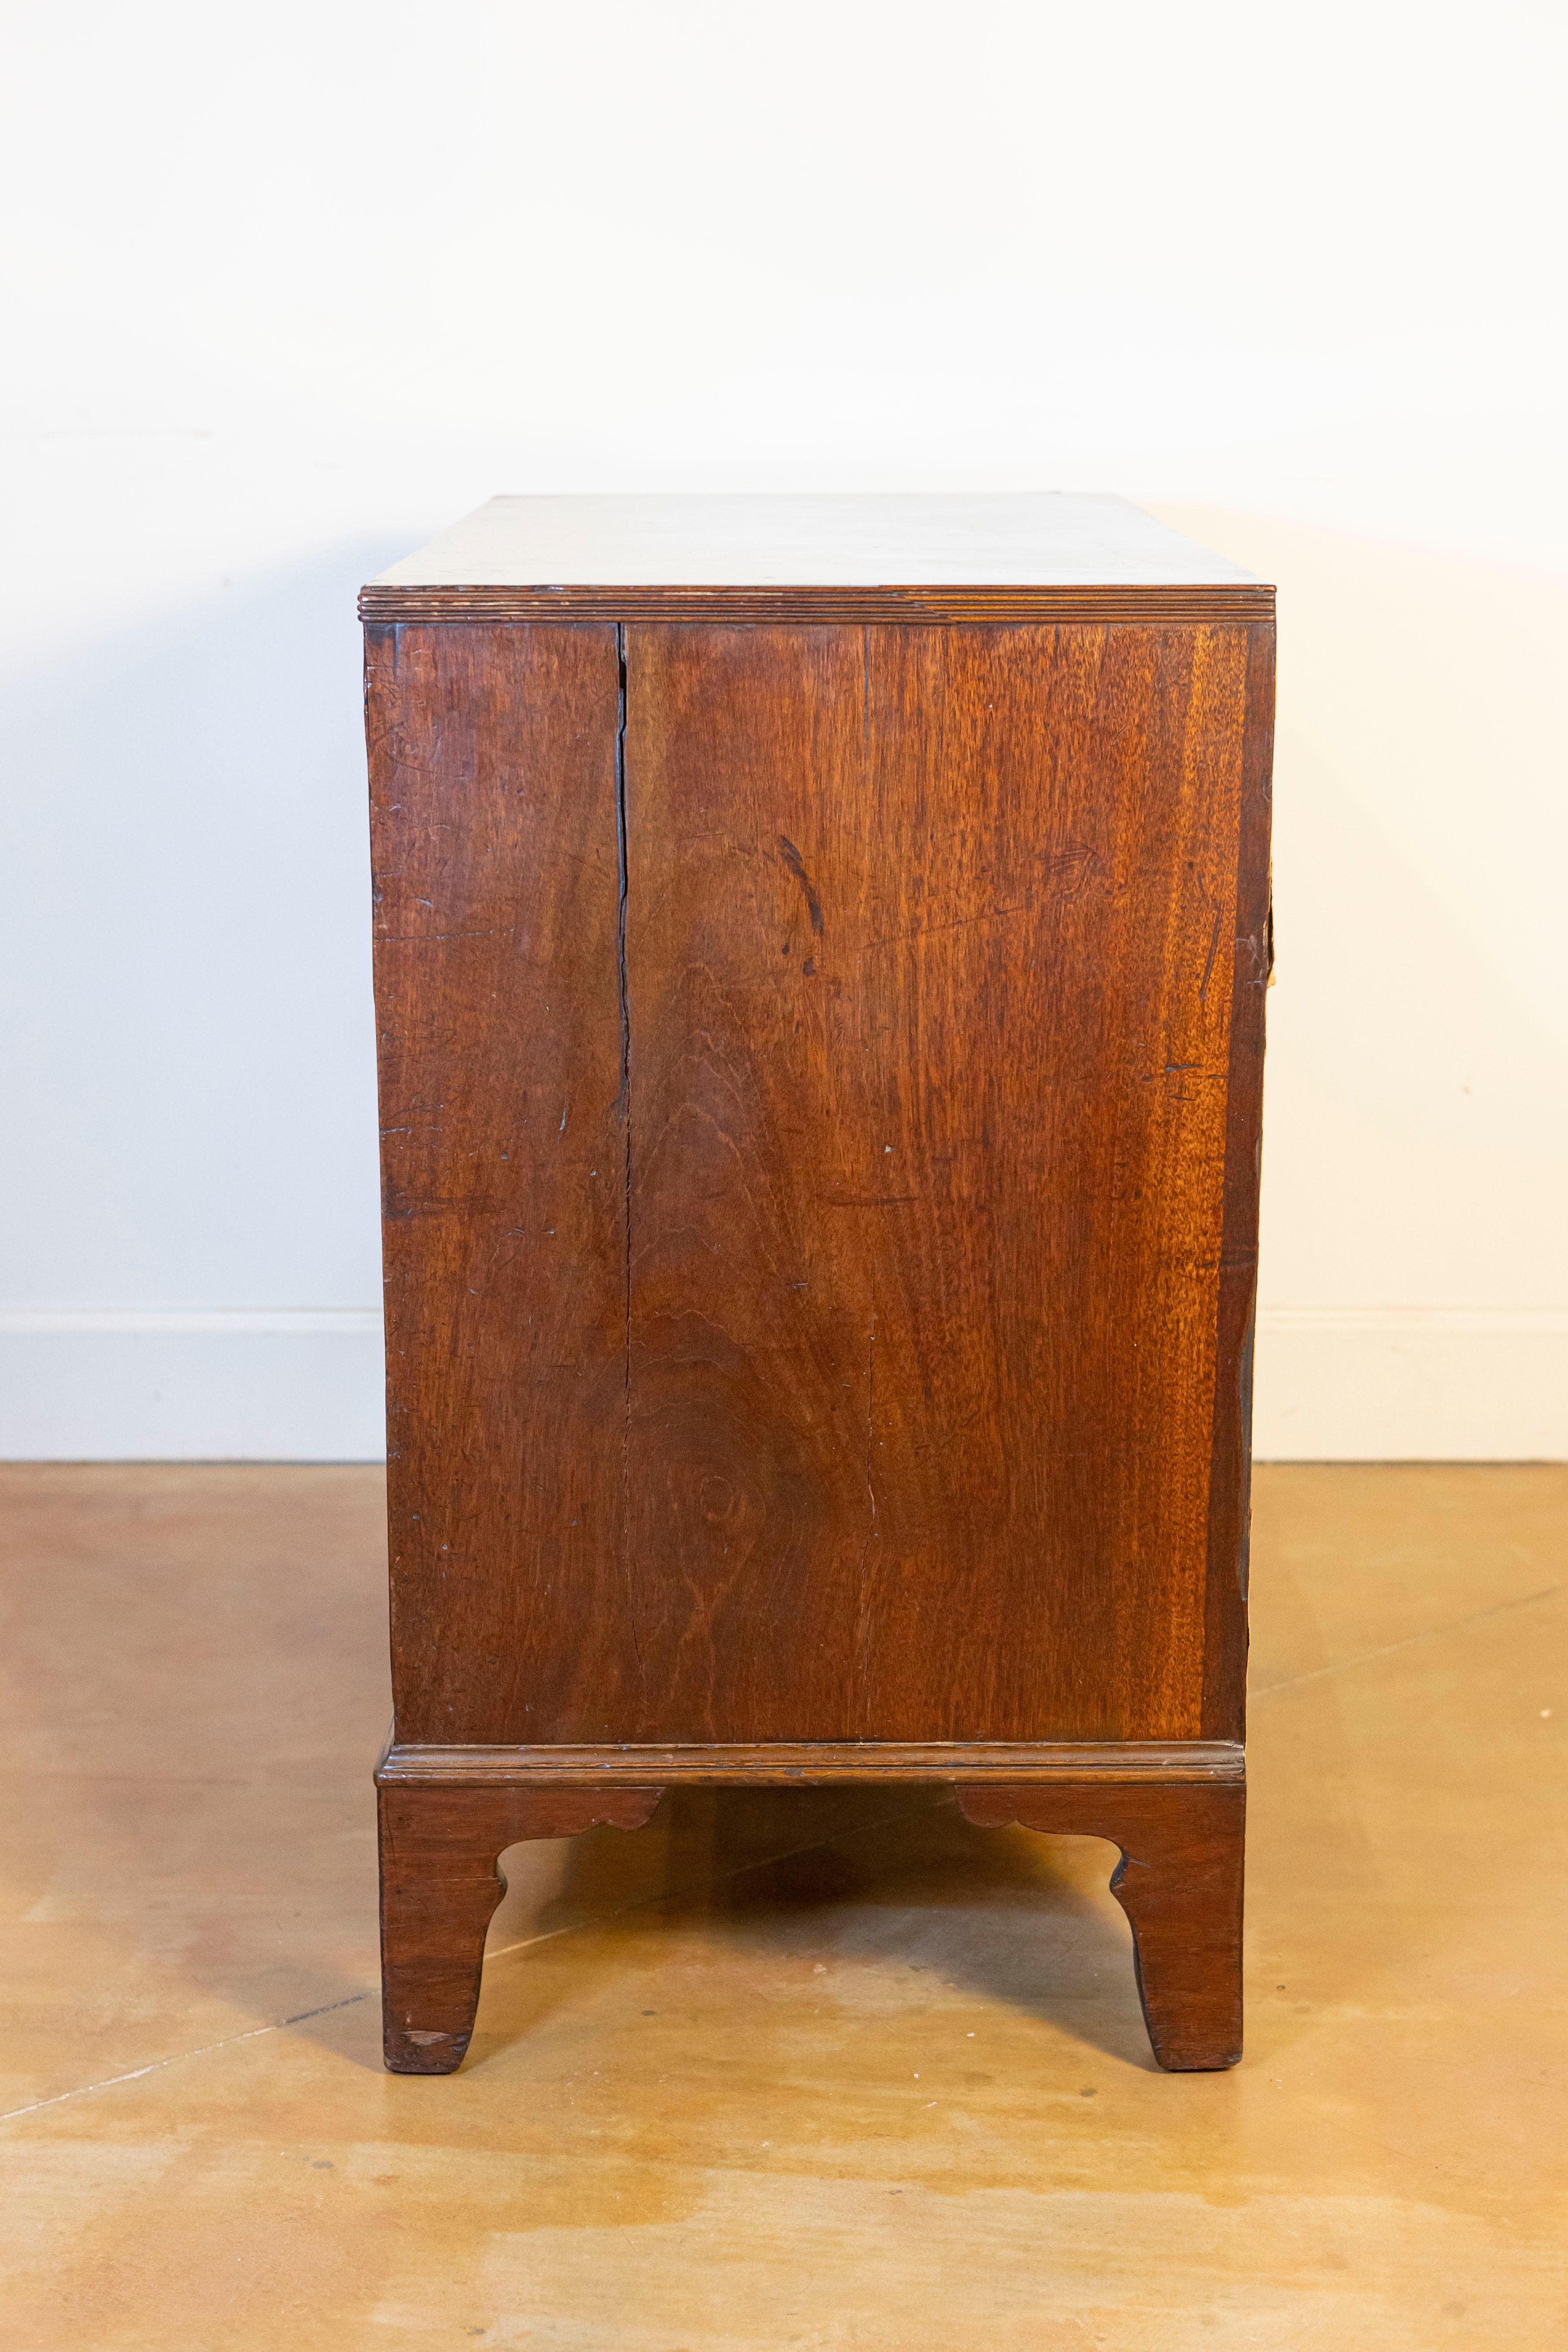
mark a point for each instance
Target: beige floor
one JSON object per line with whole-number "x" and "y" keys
{"x": 789, "y": 2069}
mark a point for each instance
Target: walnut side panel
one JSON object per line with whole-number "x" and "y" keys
{"x": 930, "y": 952}
{"x": 493, "y": 791}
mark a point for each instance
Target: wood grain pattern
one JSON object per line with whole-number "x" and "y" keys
{"x": 439, "y": 1887}
{"x": 494, "y": 797}
{"x": 931, "y": 950}
{"x": 957, "y": 1453}
{"x": 1179, "y": 1882}
{"x": 782, "y": 1762}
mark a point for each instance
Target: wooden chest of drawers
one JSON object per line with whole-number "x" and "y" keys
{"x": 820, "y": 953}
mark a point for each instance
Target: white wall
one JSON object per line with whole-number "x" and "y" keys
{"x": 297, "y": 286}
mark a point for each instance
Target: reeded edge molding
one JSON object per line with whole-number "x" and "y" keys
{"x": 1183, "y": 603}
{"x": 776, "y": 1762}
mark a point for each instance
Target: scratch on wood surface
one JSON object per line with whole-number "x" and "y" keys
{"x": 796, "y": 863}
{"x": 1214, "y": 951}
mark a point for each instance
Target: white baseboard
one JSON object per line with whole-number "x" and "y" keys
{"x": 214, "y": 1384}
{"x": 1333, "y": 1384}
{"x": 1411, "y": 1384}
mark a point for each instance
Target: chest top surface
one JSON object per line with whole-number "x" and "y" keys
{"x": 861, "y": 540}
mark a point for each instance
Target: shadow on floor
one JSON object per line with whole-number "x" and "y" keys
{"x": 890, "y": 1894}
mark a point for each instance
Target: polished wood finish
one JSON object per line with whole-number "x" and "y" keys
{"x": 494, "y": 812}
{"x": 931, "y": 938}
{"x": 1179, "y": 1880}
{"x": 820, "y": 1078}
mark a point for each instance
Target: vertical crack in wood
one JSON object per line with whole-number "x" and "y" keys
{"x": 623, "y": 875}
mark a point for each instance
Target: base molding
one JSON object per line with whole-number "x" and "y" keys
{"x": 781, "y": 1763}
{"x": 1179, "y": 1878}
